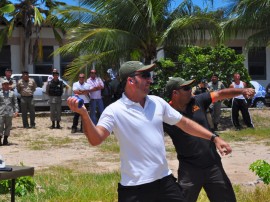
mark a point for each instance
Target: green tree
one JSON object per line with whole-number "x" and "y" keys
{"x": 134, "y": 29}
{"x": 29, "y": 16}
{"x": 201, "y": 62}
{"x": 250, "y": 19}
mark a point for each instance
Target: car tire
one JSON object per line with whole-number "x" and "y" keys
{"x": 259, "y": 103}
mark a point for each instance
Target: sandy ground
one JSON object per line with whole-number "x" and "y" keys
{"x": 43, "y": 147}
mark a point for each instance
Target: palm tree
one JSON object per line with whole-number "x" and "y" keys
{"x": 28, "y": 16}
{"x": 133, "y": 29}
{"x": 249, "y": 17}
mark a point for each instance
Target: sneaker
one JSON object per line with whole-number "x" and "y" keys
{"x": 34, "y": 127}
{"x": 73, "y": 130}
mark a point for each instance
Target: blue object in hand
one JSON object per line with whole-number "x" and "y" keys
{"x": 80, "y": 101}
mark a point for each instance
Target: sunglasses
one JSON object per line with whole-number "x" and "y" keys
{"x": 185, "y": 88}
{"x": 145, "y": 75}
{"x": 81, "y": 77}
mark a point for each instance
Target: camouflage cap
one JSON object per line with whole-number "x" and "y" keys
{"x": 5, "y": 81}
{"x": 130, "y": 67}
{"x": 174, "y": 83}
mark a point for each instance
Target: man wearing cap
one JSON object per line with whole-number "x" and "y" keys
{"x": 11, "y": 81}
{"x": 96, "y": 85}
{"x": 202, "y": 87}
{"x": 51, "y": 76}
{"x": 26, "y": 87}
{"x": 55, "y": 89}
{"x": 215, "y": 85}
{"x": 136, "y": 121}
{"x": 8, "y": 109}
{"x": 199, "y": 162}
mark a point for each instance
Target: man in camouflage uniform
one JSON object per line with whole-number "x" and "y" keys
{"x": 55, "y": 89}
{"x": 215, "y": 85}
{"x": 8, "y": 109}
{"x": 11, "y": 81}
{"x": 26, "y": 87}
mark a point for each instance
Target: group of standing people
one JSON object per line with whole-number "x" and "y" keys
{"x": 239, "y": 103}
{"x": 97, "y": 94}
{"x": 137, "y": 122}
{"x": 9, "y": 104}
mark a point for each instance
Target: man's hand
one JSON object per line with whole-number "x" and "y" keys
{"x": 248, "y": 93}
{"x": 73, "y": 102}
{"x": 15, "y": 114}
{"x": 223, "y": 147}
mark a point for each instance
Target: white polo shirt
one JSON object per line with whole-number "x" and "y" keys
{"x": 141, "y": 137}
{"x": 84, "y": 86}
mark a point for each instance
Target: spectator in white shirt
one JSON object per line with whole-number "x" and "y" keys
{"x": 96, "y": 85}
{"x": 81, "y": 89}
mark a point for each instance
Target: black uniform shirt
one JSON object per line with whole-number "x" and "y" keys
{"x": 194, "y": 150}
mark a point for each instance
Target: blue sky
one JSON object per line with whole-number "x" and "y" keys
{"x": 217, "y": 3}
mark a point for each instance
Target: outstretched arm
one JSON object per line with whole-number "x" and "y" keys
{"x": 195, "y": 129}
{"x": 94, "y": 134}
{"x": 228, "y": 93}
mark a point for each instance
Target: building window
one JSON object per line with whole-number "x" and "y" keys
{"x": 65, "y": 60}
{"x": 5, "y": 59}
{"x": 44, "y": 66}
{"x": 238, "y": 50}
{"x": 257, "y": 63}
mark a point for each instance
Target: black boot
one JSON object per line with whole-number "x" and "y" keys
{"x": 5, "y": 141}
{"x": 215, "y": 127}
{"x": 0, "y": 140}
{"x": 58, "y": 125}
{"x": 53, "y": 125}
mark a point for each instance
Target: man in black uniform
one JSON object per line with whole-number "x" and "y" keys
{"x": 199, "y": 162}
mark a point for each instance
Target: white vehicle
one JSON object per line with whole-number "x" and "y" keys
{"x": 40, "y": 97}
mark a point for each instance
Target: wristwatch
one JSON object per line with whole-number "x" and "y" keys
{"x": 213, "y": 137}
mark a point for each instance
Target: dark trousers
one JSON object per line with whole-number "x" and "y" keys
{"x": 213, "y": 179}
{"x": 28, "y": 104}
{"x": 162, "y": 190}
{"x": 77, "y": 116}
{"x": 240, "y": 105}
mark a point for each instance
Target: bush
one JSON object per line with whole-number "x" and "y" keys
{"x": 198, "y": 63}
{"x": 23, "y": 186}
{"x": 262, "y": 169}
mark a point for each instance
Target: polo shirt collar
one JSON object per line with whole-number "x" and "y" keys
{"x": 127, "y": 101}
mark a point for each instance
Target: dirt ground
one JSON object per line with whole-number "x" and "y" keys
{"x": 43, "y": 147}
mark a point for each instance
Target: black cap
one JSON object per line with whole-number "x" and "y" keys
{"x": 8, "y": 70}
{"x": 25, "y": 72}
{"x": 203, "y": 81}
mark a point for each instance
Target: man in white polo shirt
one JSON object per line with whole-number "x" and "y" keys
{"x": 96, "y": 102}
{"x": 137, "y": 122}
{"x": 82, "y": 89}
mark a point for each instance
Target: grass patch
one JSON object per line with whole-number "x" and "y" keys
{"x": 42, "y": 143}
{"x": 59, "y": 184}
{"x": 63, "y": 185}
{"x": 110, "y": 145}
